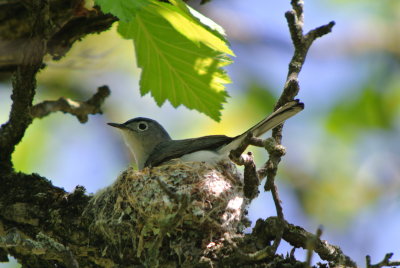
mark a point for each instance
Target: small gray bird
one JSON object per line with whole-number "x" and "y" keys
{"x": 151, "y": 144}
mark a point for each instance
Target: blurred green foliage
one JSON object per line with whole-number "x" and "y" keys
{"x": 374, "y": 106}
{"x": 29, "y": 152}
{"x": 328, "y": 183}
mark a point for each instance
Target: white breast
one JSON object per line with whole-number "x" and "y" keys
{"x": 203, "y": 156}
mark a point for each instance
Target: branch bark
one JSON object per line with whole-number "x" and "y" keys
{"x": 24, "y": 82}
{"x": 77, "y": 108}
{"x": 70, "y": 22}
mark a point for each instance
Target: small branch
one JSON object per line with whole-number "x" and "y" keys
{"x": 251, "y": 180}
{"x": 302, "y": 43}
{"x": 298, "y": 6}
{"x": 311, "y": 244}
{"x": 385, "y": 262}
{"x": 298, "y": 237}
{"x": 279, "y": 212}
{"x": 295, "y": 19}
{"x": 319, "y": 32}
{"x": 77, "y": 108}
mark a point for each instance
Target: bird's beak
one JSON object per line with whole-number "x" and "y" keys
{"x": 120, "y": 126}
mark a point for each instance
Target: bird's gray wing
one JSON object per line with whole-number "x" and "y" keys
{"x": 168, "y": 150}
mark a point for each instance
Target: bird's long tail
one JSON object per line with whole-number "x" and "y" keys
{"x": 279, "y": 116}
{"x": 286, "y": 111}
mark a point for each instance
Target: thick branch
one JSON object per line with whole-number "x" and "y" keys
{"x": 40, "y": 223}
{"x": 77, "y": 108}
{"x": 70, "y": 22}
{"x": 43, "y": 245}
{"x": 24, "y": 83}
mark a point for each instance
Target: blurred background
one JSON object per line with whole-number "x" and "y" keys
{"x": 342, "y": 168}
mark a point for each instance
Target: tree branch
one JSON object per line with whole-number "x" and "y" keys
{"x": 43, "y": 245}
{"x": 70, "y": 22}
{"x": 385, "y": 262}
{"x": 298, "y": 237}
{"x": 251, "y": 180}
{"x": 77, "y": 108}
{"x": 295, "y": 19}
{"x": 301, "y": 45}
{"x": 311, "y": 244}
{"x": 24, "y": 83}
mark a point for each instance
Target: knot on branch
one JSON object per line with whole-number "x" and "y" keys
{"x": 273, "y": 148}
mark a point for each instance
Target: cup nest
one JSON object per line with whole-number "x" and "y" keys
{"x": 171, "y": 215}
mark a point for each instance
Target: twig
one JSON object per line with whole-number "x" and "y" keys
{"x": 251, "y": 180}
{"x": 77, "y": 108}
{"x": 298, "y": 237}
{"x": 385, "y": 262}
{"x": 311, "y": 243}
{"x": 301, "y": 44}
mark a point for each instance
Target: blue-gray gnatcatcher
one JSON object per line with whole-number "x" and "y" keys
{"x": 151, "y": 145}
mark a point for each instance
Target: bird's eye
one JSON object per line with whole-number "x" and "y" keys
{"x": 142, "y": 126}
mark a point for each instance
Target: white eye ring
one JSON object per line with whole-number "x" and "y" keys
{"x": 142, "y": 126}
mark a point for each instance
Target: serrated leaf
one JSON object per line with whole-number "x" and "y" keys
{"x": 204, "y": 21}
{"x": 180, "y": 52}
{"x": 193, "y": 25}
{"x": 173, "y": 66}
{"x": 125, "y": 10}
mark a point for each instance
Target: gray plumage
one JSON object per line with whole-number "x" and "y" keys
{"x": 151, "y": 145}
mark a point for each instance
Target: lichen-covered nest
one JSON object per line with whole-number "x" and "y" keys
{"x": 150, "y": 216}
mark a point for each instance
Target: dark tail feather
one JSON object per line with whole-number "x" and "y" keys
{"x": 286, "y": 111}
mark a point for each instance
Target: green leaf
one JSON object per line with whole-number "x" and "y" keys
{"x": 194, "y": 25}
{"x": 125, "y": 10}
{"x": 175, "y": 67}
{"x": 180, "y": 51}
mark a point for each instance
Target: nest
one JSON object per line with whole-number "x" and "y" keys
{"x": 168, "y": 216}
